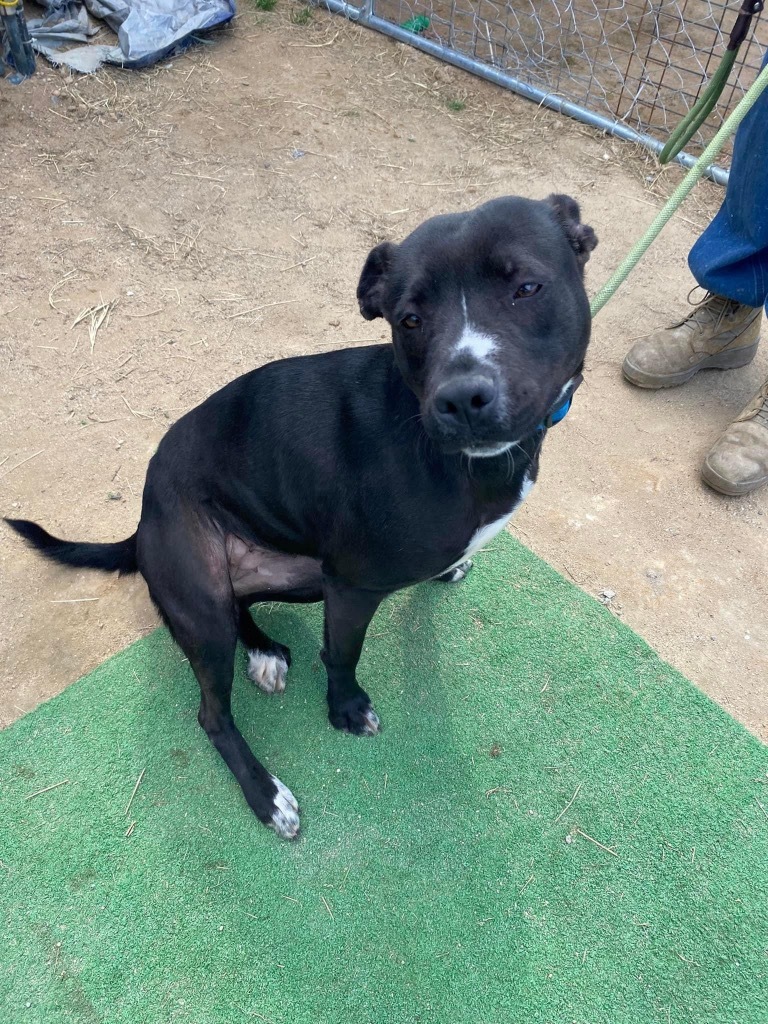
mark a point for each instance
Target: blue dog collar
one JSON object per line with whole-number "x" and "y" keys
{"x": 559, "y": 414}
{"x": 561, "y": 411}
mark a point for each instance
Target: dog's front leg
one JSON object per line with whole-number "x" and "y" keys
{"x": 348, "y": 612}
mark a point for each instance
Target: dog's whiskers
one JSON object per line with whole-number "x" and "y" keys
{"x": 510, "y": 462}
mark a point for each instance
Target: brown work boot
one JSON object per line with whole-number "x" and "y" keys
{"x": 719, "y": 334}
{"x": 738, "y": 462}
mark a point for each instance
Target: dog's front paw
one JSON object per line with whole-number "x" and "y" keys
{"x": 268, "y": 671}
{"x": 457, "y": 574}
{"x": 285, "y": 816}
{"x": 356, "y": 716}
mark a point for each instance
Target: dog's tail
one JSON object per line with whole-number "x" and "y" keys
{"x": 119, "y": 557}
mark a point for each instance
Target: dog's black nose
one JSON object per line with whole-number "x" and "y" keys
{"x": 465, "y": 400}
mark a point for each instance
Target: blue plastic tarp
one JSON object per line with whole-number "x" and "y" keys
{"x": 147, "y": 30}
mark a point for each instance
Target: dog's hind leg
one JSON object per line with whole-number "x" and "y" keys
{"x": 271, "y": 801}
{"x": 268, "y": 661}
{"x": 211, "y": 653}
{"x": 189, "y": 582}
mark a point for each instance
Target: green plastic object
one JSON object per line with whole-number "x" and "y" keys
{"x": 417, "y": 24}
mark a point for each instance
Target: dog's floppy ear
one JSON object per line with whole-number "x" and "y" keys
{"x": 370, "y": 289}
{"x": 581, "y": 236}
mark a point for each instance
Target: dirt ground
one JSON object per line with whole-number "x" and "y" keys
{"x": 224, "y": 202}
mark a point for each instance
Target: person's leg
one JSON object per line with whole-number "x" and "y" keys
{"x": 729, "y": 260}
{"x": 731, "y": 256}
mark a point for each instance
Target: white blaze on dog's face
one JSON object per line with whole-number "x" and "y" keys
{"x": 473, "y": 342}
{"x": 490, "y": 320}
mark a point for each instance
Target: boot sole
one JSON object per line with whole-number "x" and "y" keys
{"x": 729, "y": 360}
{"x": 727, "y": 487}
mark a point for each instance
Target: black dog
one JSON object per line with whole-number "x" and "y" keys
{"x": 346, "y": 476}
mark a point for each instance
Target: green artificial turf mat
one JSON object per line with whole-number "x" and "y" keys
{"x": 437, "y": 879}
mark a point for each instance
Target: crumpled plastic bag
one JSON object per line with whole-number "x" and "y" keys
{"x": 147, "y": 30}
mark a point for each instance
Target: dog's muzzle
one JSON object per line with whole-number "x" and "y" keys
{"x": 465, "y": 411}
{"x": 465, "y": 415}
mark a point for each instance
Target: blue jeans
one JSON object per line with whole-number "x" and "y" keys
{"x": 731, "y": 256}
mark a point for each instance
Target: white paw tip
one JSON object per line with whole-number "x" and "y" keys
{"x": 285, "y": 818}
{"x": 372, "y": 723}
{"x": 268, "y": 671}
{"x": 461, "y": 571}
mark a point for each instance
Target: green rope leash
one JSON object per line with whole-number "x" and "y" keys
{"x": 698, "y": 114}
{"x": 682, "y": 191}
{"x": 705, "y": 104}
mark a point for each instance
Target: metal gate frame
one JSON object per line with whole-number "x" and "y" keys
{"x": 365, "y": 15}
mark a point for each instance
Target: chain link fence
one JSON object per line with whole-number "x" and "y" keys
{"x": 634, "y": 67}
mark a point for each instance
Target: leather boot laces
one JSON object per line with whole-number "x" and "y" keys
{"x": 762, "y": 413}
{"x": 712, "y": 309}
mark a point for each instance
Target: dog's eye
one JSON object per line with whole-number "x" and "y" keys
{"x": 526, "y": 290}
{"x": 411, "y": 321}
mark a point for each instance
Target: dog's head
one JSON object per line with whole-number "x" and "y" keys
{"x": 490, "y": 320}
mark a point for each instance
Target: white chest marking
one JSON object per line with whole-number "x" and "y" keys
{"x": 486, "y": 533}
